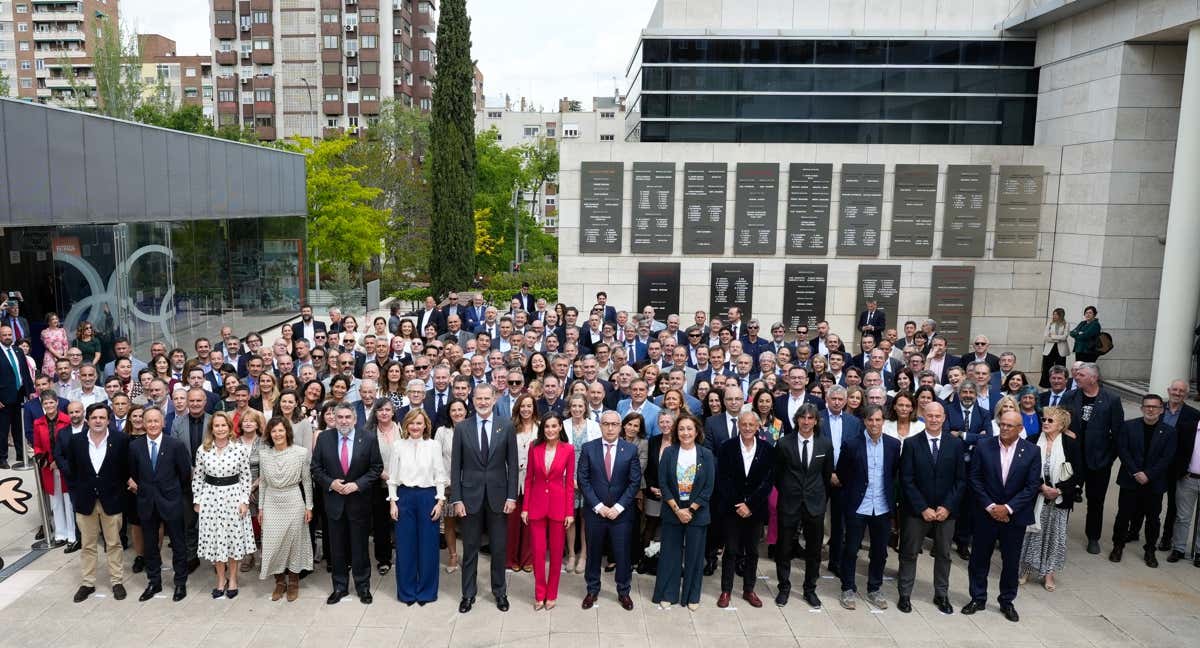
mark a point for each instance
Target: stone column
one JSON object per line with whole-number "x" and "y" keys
{"x": 1179, "y": 296}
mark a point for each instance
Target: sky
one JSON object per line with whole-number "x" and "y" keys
{"x": 540, "y": 49}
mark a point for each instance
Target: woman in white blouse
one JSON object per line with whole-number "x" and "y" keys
{"x": 902, "y": 421}
{"x": 416, "y": 482}
{"x": 578, "y": 430}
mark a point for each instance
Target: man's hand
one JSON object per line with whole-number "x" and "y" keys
{"x": 742, "y": 510}
{"x": 1141, "y": 478}
{"x": 132, "y": 485}
{"x": 460, "y": 509}
{"x": 349, "y": 488}
{"x": 336, "y": 486}
{"x": 196, "y": 508}
{"x": 509, "y": 506}
{"x": 943, "y": 513}
{"x": 833, "y": 479}
{"x": 929, "y": 515}
{"x": 999, "y": 513}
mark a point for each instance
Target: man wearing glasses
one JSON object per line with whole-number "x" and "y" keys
{"x": 1146, "y": 447}
{"x": 980, "y": 354}
{"x": 753, "y": 345}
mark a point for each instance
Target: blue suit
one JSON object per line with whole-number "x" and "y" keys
{"x": 1018, "y": 492}
{"x": 649, "y": 412}
{"x": 619, "y": 489}
{"x": 163, "y": 491}
{"x": 854, "y": 472}
{"x": 681, "y": 562}
{"x": 980, "y": 428}
{"x": 639, "y": 351}
{"x": 852, "y": 428}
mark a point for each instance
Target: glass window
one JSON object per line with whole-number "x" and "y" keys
{"x": 848, "y": 80}
{"x": 331, "y": 42}
{"x": 761, "y": 51}
{"x": 689, "y": 51}
{"x": 369, "y": 67}
{"x": 981, "y": 52}
{"x": 331, "y": 68}
{"x": 656, "y": 51}
{"x": 369, "y": 41}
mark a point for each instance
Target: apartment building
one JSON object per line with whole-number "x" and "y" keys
{"x": 186, "y": 80}
{"x": 39, "y": 37}
{"x": 317, "y": 68}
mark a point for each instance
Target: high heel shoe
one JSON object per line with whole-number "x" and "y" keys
{"x": 452, "y": 565}
{"x": 551, "y": 603}
{"x": 538, "y": 605}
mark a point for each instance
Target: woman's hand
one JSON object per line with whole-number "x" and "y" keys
{"x": 525, "y": 518}
{"x": 259, "y": 518}
{"x": 383, "y": 476}
{"x": 393, "y": 512}
{"x": 684, "y": 515}
{"x": 568, "y": 522}
{"x": 243, "y": 510}
{"x": 436, "y": 513}
{"x": 196, "y": 508}
{"x": 656, "y": 492}
{"x": 307, "y": 516}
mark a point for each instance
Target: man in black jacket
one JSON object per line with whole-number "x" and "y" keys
{"x": 803, "y": 468}
{"x": 1146, "y": 447}
{"x": 96, "y": 472}
{"x": 160, "y": 473}
{"x": 744, "y": 483}
{"x": 1096, "y": 419}
{"x": 15, "y": 384}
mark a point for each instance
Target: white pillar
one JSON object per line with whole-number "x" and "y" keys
{"x": 1179, "y": 296}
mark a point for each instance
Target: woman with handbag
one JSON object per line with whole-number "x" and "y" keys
{"x": 1045, "y": 549}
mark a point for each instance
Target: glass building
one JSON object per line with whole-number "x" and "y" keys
{"x": 798, "y": 90}
{"x": 147, "y": 233}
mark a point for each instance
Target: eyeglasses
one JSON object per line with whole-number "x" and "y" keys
{"x": 1047, "y": 420}
{"x": 752, "y": 327}
{"x": 516, "y": 382}
{"x": 318, "y": 356}
{"x": 981, "y": 344}
{"x": 419, "y": 367}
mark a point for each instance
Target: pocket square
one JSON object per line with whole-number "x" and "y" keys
{"x": 818, "y": 456}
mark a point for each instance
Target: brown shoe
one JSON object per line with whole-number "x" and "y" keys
{"x": 280, "y": 587}
{"x": 588, "y": 601}
{"x": 752, "y": 598}
{"x": 625, "y": 601}
{"x": 293, "y": 586}
{"x": 723, "y": 600}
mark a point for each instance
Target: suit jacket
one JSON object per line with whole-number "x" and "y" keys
{"x": 649, "y": 413}
{"x": 702, "y": 485}
{"x": 781, "y": 410}
{"x": 926, "y": 485}
{"x": 32, "y": 410}
{"x": 943, "y": 377}
{"x": 1044, "y": 398}
{"x": 460, "y": 338}
{"x": 161, "y": 490}
{"x": 1185, "y": 440}
{"x": 853, "y": 473}
{"x": 435, "y": 317}
{"x": 852, "y": 428}
{"x": 438, "y": 416}
{"x": 878, "y": 319}
{"x": 85, "y": 485}
{"x": 550, "y": 492}
{"x": 1154, "y": 460}
{"x": 993, "y": 362}
{"x": 24, "y": 324}
{"x": 542, "y": 406}
{"x": 803, "y": 490}
{"x": 475, "y": 476}
{"x": 717, "y": 432}
{"x": 298, "y": 328}
{"x": 610, "y": 314}
{"x": 599, "y": 489}
{"x": 1098, "y": 435}
{"x": 1018, "y": 492}
{"x": 472, "y": 317}
{"x": 10, "y": 393}
{"x": 640, "y": 351}
{"x": 527, "y": 301}
{"x": 365, "y": 466}
{"x": 736, "y": 486}
{"x": 181, "y": 430}
{"x": 981, "y": 424}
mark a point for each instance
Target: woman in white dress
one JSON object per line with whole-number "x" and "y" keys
{"x": 221, "y": 496}
{"x": 578, "y": 430}
{"x": 285, "y": 502}
{"x": 457, "y": 411}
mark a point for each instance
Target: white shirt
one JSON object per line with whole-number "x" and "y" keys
{"x": 747, "y": 454}
{"x": 97, "y": 452}
{"x": 310, "y": 331}
{"x": 930, "y": 438}
{"x": 417, "y": 464}
{"x": 607, "y": 448}
{"x": 793, "y": 405}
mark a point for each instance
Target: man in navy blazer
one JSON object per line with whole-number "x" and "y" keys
{"x": 787, "y": 405}
{"x": 932, "y": 481}
{"x": 740, "y": 504}
{"x": 609, "y": 506}
{"x": 839, "y": 426}
{"x": 160, "y": 473}
{"x": 719, "y": 429}
{"x": 1006, "y": 480}
{"x": 16, "y": 384}
{"x": 968, "y": 421}
{"x": 97, "y": 495}
{"x": 1146, "y": 447}
{"x": 867, "y": 470}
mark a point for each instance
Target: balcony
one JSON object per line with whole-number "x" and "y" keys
{"x": 264, "y": 82}
{"x": 226, "y": 58}
{"x": 58, "y": 16}
{"x": 332, "y": 107}
{"x": 62, "y": 83}
{"x": 55, "y": 54}
{"x": 225, "y": 31}
{"x": 370, "y": 107}
{"x": 263, "y": 56}
{"x": 44, "y": 92}
{"x": 331, "y": 133}
{"x": 265, "y": 133}
{"x": 58, "y": 35}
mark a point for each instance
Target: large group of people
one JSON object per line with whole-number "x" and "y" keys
{"x": 564, "y": 442}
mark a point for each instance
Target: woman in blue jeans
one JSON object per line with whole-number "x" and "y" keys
{"x": 687, "y": 472}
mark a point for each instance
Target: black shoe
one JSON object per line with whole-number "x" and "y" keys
{"x": 710, "y": 566}
{"x": 139, "y": 564}
{"x": 1164, "y": 544}
{"x": 83, "y": 593}
{"x": 4, "y": 465}
{"x": 486, "y": 550}
{"x": 812, "y": 600}
{"x": 964, "y": 552}
{"x": 422, "y": 603}
{"x": 1195, "y": 563}
{"x": 1174, "y": 556}
{"x": 218, "y": 593}
{"x": 72, "y": 547}
{"x": 1093, "y": 546}
{"x": 943, "y": 605}
{"x": 973, "y": 607}
{"x": 41, "y": 533}
{"x": 365, "y": 598}
{"x": 904, "y": 605}
{"x": 231, "y": 593}
{"x": 384, "y": 568}
{"x": 465, "y": 604}
{"x": 336, "y": 596}
{"x": 149, "y": 592}
{"x": 610, "y": 567}
{"x": 193, "y": 565}
{"x": 180, "y": 593}
{"x": 1115, "y": 555}
{"x": 502, "y": 603}
{"x": 1151, "y": 559}
{"x": 20, "y": 465}
{"x": 118, "y": 591}
{"x": 1010, "y": 612}
{"x": 781, "y": 598}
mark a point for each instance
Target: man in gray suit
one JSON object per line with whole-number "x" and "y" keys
{"x": 189, "y": 430}
{"x": 484, "y": 466}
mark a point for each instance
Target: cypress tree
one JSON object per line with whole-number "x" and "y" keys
{"x": 452, "y": 153}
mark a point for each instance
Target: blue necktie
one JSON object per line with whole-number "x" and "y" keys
{"x": 12, "y": 358}
{"x": 154, "y": 455}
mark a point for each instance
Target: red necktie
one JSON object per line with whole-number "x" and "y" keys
{"x": 608, "y": 460}
{"x": 345, "y": 453}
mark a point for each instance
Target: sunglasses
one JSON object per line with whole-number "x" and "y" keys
{"x": 1048, "y": 420}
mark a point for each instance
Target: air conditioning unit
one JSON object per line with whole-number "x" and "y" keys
{"x": 245, "y": 80}
{"x": 245, "y": 27}
{"x": 398, "y": 32}
{"x": 351, "y": 79}
{"x": 351, "y": 2}
{"x": 397, "y": 56}
{"x": 351, "y": 53}
{"x": 351, "y": 28}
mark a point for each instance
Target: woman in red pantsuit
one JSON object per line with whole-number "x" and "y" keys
{"x": 549, "y": 505}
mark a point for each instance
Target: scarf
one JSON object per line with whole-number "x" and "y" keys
{"x": 1060, "y": 470}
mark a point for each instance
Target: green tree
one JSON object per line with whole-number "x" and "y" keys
{"x": 5, "y": 84}
{"x": 116, "y": 66}
{"x": 498, "y": 175}
{"x": 343, "y": 224}
{"x": 574, "y": 106}
{"x": 452, "y": 154}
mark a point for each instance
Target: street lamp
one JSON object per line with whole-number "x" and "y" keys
{"x": 311, "y": 108}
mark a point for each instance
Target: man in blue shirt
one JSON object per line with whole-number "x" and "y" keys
{"x": 867, "y": 470}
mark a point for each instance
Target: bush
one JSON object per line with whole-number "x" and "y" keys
{"x": 541, "y": 277}
{"x": 414, "y": 294}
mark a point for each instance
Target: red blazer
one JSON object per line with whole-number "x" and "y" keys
{"x": 550, "y": 494}
{"x": 42, "y": 446}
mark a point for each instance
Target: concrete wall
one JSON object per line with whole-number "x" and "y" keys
{"x": 1011, "y": 300}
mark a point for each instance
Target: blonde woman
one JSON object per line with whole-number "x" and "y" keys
{"x": 1054, "y": 345}
{"x": 221, "y": 484}
{"x": 285, "y": 505}
{"x": 252, "y": 428}
{"x": 1045, "y": 549}
{"x": 416, "y": 486}
{"x": 1008, "y": 403}
{"x": 268, "y": 390}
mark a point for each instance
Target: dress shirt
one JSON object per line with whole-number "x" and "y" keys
{"x": 150, "y": 445}
{"x": 835, "y": 435}
{"x": 1006, "y": 457}
{"x": 609, "y": 447}
{"x": 930, "y": 438}
{"x": 96, "y": 452}
{"x": 97, "y": 395}
{"x": 793, "y": 405}
{"x": 1055, "y": 398}
{"x": 748, "y": 453}
{"x": 984, "y": 400}
{"x": 310, "y": 331}
{"x": 874, "y": 501}
{"x": 1171, "y": 418}
{"x": 935, "y": 365}
{"x": 417, "y": 464}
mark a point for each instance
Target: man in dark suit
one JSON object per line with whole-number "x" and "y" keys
{"x": 968, "y": 421}
{"x": 484, "y": 465}
{"x": 551, "y": 399}
{"x": 189, "y": 430}
{"x": 16, "y": 384}
{"x": 96, "y": 472}
{"x": 527, "y": 300}
{"x": 873, "y": 321}
{"x": 786, "y": 406}
{"x": 453, "y": 307}
{"x": 940, "y": 360}
{"x": 1146, "y": 447}
{"x": 932, "y": 481}
{"x": 608, "y": 313}
{"x": 12, "y": 318}
{"x": 160, "y": 473}
{"x": 867, "y": 470}
{"x": 980, "y": 354}
{"x": 1096, "y": 419}
{"x": 345, "y": 466}
{"x": 307, "y": 327}
{"x": 803, "y": 469}
{"x": 1059, "y": 381}
{"x": 1185, "y": 419}
{"x": 1005, "y": 478}
{"x": 839, "y": 426}
{"x": 430, "y": 315}
{"x": 609, "y": 474}
{"x": 719, "y": 429}
{"x": 744, "y": 483}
